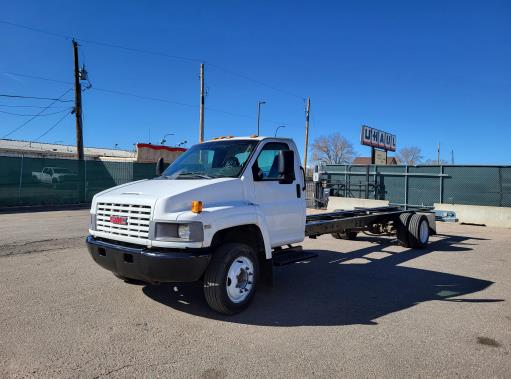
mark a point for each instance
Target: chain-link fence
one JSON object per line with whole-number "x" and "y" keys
{"x": 41, "y": 181}
{"x": 422, "y": 186}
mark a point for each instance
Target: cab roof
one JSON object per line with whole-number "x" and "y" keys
{"x": 252, "y": 137}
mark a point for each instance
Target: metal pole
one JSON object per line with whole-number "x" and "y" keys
{"x": 441, "y": 184}
{"x": 406, "y": 187}
{"x": 278, "y": 127}
{"x": 21, "y": 178}
{"x": 367, "y": 183}
{"x": 307, "y": 115}
{"x": 500, "y": 186}
{"x": 375, "y": 184}
{"x": 201, "y": 111}
{"x": 78, "y": 105}
{"x": 258, "y": 116}
{"x": 85, "y": 181}
{"x": 259, "y": 103}
{"x": 345, "y": 180}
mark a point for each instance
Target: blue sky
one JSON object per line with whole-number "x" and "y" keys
{"x": 428, "y": 71}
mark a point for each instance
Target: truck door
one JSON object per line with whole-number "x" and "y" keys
{"x": 46, "y": 176}
{"x": 282, "y": 204}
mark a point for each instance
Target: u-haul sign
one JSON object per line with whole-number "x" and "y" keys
{"x": 376, "y": 138}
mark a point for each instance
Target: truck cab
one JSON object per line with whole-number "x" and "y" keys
{"x": 214, "y": 215}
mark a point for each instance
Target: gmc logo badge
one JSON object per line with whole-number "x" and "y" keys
{"x": 119, "y": 220}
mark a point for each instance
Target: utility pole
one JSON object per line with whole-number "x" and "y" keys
{"x": 78, "y": 105}
{"x": 201, "y": 113}
{"x": 438, "y": 154}
{"x": 307, "y": 113}
{"x": 452, "y": 156}
{"x": 259, "y": 103}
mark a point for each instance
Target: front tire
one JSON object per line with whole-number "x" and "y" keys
{"x": 231, "y": 278}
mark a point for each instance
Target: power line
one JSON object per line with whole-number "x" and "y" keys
{"x": 51, "y": 127}
{"x": 99, "y": 43}
{"x": 152, "y": 98}
{"x": 144, "y": 97}
{"x": 234, "y": 73}
{"x": 34, "y": 29}
{"x": 157, "y": 53}
{"x": 31, "y": 106}
{"x": 35, "y": 97}
{"x": 33, "y": 117}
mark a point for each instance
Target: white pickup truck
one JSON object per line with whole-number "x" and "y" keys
{"x": 54, "y": 176}
{"x": 225, "y": 213}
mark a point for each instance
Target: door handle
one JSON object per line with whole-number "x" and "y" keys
{"x": 298, "y": 191}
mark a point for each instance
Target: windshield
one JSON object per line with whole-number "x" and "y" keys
{"x": 222, "y": 159}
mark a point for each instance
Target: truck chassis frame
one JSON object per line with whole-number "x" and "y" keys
{"x": 357, "y": 219}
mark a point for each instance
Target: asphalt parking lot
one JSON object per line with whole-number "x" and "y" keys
{"x": 365, "y": 308}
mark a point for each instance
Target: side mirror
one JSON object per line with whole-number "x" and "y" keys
{"x": 257, "y": 173}
{"x": 286, "y": 166}
{"x": 159, "y": 167}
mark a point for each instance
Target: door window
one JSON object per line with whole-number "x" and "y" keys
{"x": 268, "y": 160}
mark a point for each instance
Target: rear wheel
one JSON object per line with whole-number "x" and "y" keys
{"x": 231, "y": 278}
{"x": 418, "y": 231}
{"x": 402, "y": 228}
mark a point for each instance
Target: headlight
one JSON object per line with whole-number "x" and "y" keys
{"x": 170, "y": 231}
{"x": 183, "y": 231}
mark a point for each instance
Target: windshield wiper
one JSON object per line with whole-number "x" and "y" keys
{"x": 202, "y": 176}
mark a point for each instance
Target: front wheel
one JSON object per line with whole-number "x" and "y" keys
{"x": 231, "y": 278}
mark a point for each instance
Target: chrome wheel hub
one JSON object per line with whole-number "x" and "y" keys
{"x": 424, "y": 231}
{"x": 240, "y": 279}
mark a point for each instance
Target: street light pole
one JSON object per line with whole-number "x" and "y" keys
{"x": 259, "y": 103}
{"x": 277, "y": 129}
{"x": 307, "y": 115}
{"x": 163, "y": 140}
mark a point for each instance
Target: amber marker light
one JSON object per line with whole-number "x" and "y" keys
{"x": 196, "y": 206}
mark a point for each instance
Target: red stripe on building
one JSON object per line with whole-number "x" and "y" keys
{"x": 159, "y": 147}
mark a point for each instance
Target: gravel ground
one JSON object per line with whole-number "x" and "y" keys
{"x": 365, "y": 308}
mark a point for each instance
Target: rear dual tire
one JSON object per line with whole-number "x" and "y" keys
{"x": 413, "y": 230}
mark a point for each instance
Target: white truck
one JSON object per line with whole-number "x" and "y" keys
{"x": 54, "y": 176}
{"x": 225, "y": 213}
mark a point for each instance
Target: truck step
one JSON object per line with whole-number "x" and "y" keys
{"x": 291, "y": 255}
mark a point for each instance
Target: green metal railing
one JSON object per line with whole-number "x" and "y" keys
{"x": 422, "y": 186}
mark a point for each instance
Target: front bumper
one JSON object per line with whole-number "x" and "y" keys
{"x": 149, "y": 265}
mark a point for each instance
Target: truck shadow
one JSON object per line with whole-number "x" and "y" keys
{"x": 335, "y": 288}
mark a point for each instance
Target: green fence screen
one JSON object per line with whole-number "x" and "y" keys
{"x": 422, "y": 186}
{"x": 40, "y": 181}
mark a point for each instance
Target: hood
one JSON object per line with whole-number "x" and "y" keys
{"x": 175, "y": 195}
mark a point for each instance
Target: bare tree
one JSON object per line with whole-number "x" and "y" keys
{"x": 410, "y": 155}
{"x": 332, "y": 149}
